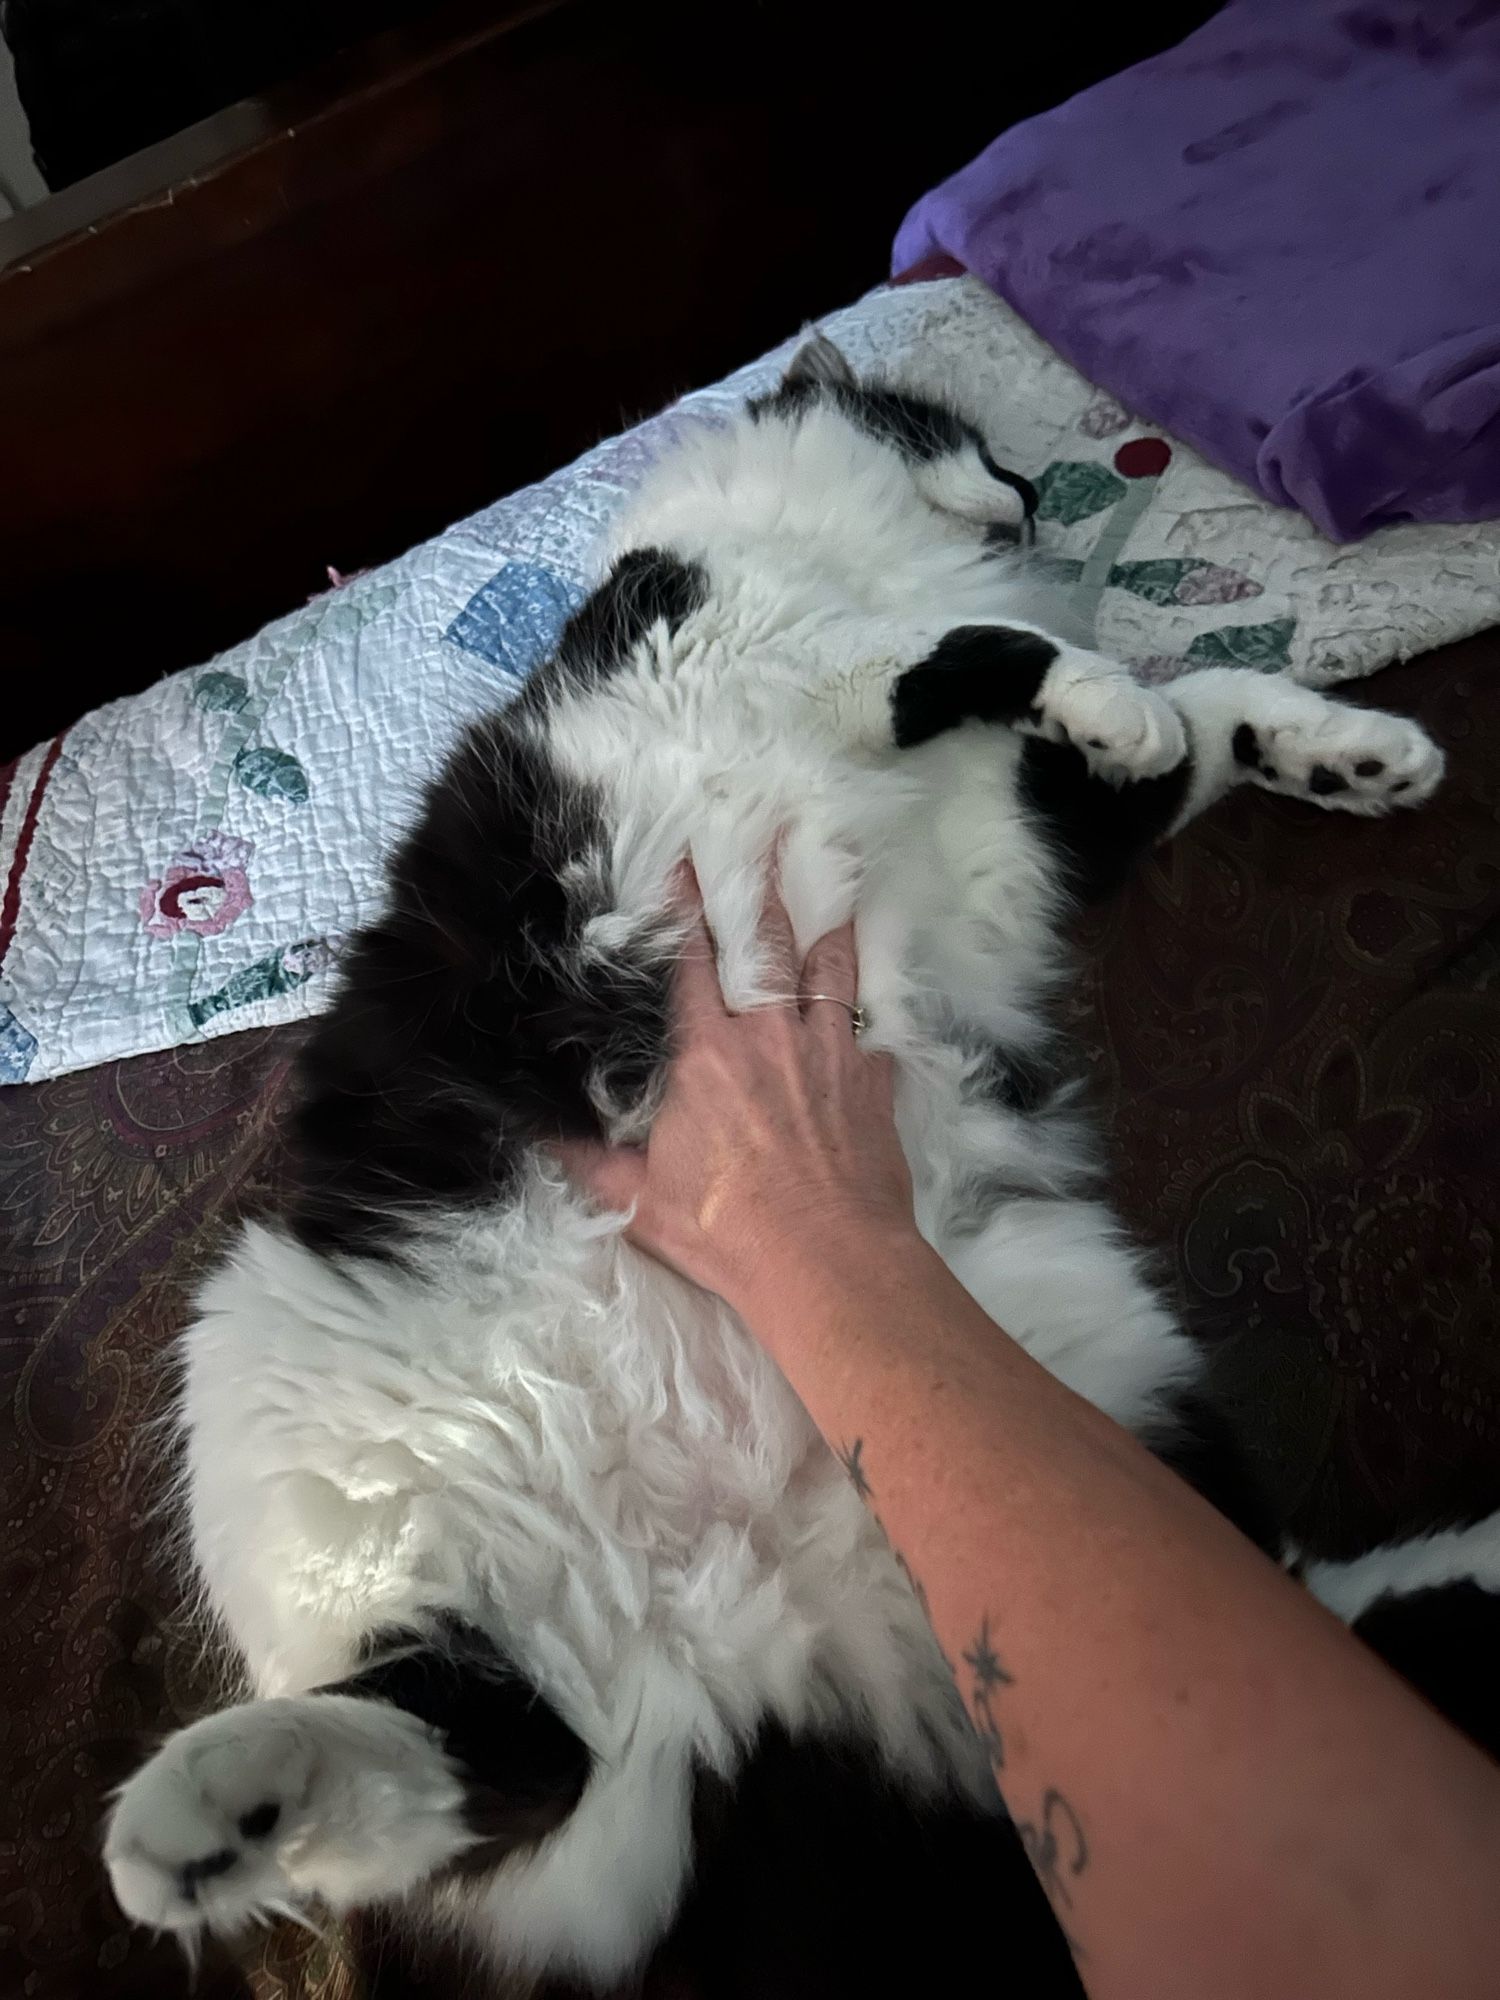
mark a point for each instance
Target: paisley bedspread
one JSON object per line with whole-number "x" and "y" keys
{"x": 1291, "y": 1020}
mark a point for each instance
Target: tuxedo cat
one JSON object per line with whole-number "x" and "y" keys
{"x": 560, "y": 1623}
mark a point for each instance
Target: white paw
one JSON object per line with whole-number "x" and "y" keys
{"x": 196, "y": 1836}
{"x": 1348, "y": 759}
{"x": 268, "y": 1806}
{"x": 1125, "y": 730}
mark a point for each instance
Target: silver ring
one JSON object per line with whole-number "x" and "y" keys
{"x": 857, "y": 1018}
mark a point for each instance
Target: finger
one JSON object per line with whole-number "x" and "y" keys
{"x": 777, "y": 942}
{"x": 831, "y": 968}
{"x": 684, "y": 891}
{"x": 882, "y": 1073}
{"x": 615, "y": 1176}
{"x": 697, "y": 994}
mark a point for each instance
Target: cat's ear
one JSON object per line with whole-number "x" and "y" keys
{"x": 818, "y": 364}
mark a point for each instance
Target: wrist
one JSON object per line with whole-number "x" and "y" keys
{"x": 821, "y": 1257}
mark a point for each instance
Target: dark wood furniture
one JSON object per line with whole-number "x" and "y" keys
{"x": 318, "y": 327}
{"x": 322, "y": 324}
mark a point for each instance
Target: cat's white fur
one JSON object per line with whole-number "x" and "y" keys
{"x": 535, "y": 1426}
{"x": 1468, "y": 1554}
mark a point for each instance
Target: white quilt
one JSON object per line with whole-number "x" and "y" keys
{"x": 185, "y": 863}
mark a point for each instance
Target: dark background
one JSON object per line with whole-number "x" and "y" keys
{"x": 325, "y": 323}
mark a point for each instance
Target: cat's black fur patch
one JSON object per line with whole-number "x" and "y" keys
{"x": 646, "y": 588}
{"x": 815, "y": 1879}
{"x": 1098, "y": 830}
{"x": 919, "y": 427}
{"x": 975, "y": 673}
{"x": 525, "y": 1768}
{"x": 1247, "y": 751}
{"x": 462, "y": 1031}
{"x": 921, "y": 430}
{"x": 1446, "y": 1642}
{"x": 1020, "y": 1081}
{"x": 818, "y": 1879}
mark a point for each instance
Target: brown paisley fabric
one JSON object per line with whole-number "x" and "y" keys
{"x": 116, "y": 1186}
{"x": 1293, "y": 1019}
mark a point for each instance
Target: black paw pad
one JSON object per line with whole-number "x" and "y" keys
{"x": 1325, "y": 782}
{"x": 1403, "y": 785}
{"x": 1368, "y": 767}
{"x": 258, "y": 1822}
{"x": 1246, "y": 745}
{"x": 193, "y": 1872}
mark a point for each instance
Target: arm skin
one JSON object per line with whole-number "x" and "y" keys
{"x": 1225, "y": 1795}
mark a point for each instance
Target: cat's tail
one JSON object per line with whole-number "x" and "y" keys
{"x": 1430, "y": 1607}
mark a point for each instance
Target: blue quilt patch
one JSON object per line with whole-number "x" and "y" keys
{"x": 17, "y": 1048}
{"x": 514, "y": 620}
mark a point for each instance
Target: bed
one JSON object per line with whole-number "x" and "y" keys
{"x": 1289, "y": 1023}
{"x": 1291, "y": 1028}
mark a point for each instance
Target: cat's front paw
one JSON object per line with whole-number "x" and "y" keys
{"x": 274, "y": 1804}
{"x": 1348, "y": 759}
{"x": 197, "y": 1835}
{"x": 1126, "y": 731}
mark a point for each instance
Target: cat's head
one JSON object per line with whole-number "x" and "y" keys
{"x": 950, "y": 461}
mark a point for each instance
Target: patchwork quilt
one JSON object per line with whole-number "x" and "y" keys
{"x": 187, "y": 862}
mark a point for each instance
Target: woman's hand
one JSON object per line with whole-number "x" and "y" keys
{"x": 777, "y": 1128}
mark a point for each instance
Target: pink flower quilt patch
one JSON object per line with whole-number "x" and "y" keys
{"x": 203, "y": 890}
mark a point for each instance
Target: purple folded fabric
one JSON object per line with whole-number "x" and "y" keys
{"x": 1281, "y": 242}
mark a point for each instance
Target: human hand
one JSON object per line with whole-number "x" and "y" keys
{"x": 777, "y": 1130}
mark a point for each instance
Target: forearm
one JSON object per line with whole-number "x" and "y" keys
{"x": 1223, "y": 1792}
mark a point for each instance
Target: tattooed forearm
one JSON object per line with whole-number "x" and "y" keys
{"x": 1054, "y": 1840}
{"x": 989, "y": 1677}
{"x": 851, "y": 1457}
{"x": 1058, "y": 1849}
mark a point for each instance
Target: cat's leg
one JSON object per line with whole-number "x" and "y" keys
{"x": 1100, "y": 814}
{"x": 1262, "y": 729}
{"x": 1055, "y": 692}
{"x": 1430, "y": 1607}
{"x": 1235, "y": 725}
{"x": 355, "y": 1793}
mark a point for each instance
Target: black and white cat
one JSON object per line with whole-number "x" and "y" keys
{"x": 535, "y": 1563}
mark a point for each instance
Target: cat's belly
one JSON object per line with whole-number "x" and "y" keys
{"x": 596, "y": 1463}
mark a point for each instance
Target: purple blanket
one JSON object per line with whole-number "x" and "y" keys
{"x": 1281, "y": 241}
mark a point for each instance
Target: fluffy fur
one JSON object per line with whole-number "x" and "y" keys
{"x": 535, "y": 1563}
